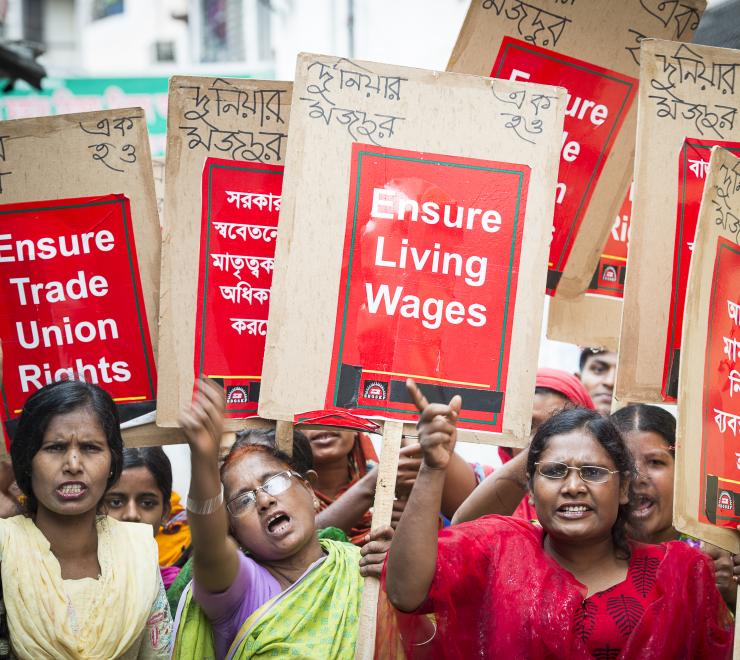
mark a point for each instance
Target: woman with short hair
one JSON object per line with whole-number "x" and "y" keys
{"x": 77, "y": 584}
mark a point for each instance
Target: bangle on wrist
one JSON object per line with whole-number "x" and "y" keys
{"x": 204, "y": 507}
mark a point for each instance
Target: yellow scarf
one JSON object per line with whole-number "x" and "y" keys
{"x": 39, "y": 608}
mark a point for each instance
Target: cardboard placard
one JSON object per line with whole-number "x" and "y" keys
{"x": 384, "y": 176}
{"x": 86, "y": 179}
{"x": 693, "y": 163}
{"x": 234, "y": 125}
{"x": 593, "y": 318}
{"x": 591, "y": 49}
{"x": 686, "y": 91}
{"x": 237, "y": 256}
{"x": 707, "y": 496}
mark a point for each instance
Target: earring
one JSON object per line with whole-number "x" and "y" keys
{"x": 316, "y": 503}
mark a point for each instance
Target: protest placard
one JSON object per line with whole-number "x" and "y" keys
{"x": 707, "y": 495}
{"x": 79, "y": 258}
{"x": 386, "y": 176}
{"x": 687, "y": 92}
{"x": 223, "y": 180}
{"x": 388, "y": 171}
{"x": 593, "y": 318}
{"x": 591, "y": 49}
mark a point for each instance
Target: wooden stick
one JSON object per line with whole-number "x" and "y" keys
{"x": 284, "y": 437}
{"x": 385, "y": 492}
{"x": 736, "y": 648}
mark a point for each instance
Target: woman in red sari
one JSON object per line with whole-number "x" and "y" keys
{"x": 574, "y": 587}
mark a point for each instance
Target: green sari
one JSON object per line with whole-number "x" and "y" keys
{"x": 316, "y": 617}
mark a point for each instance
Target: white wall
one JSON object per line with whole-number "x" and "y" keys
{"x": 123, "y": 44}
{"x": 419, "y": 33}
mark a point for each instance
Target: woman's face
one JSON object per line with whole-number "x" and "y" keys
{"x": 135, "y": 497}
{"x": 651, "y": 520}
{"x": 69, "y": 473}
{"x": 572, "y": 510}
{"x": 276, "y": 526}
{"x": 330, "y": 445}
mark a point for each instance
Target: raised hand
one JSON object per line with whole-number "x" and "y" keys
{"x": 409, "y": 462}
{"x": 437, "y": 427}
{"x": 203, "y": 421}
{"x": 724, "y": 567}
{"x": 374, "y": 551}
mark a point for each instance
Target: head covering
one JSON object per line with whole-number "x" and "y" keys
{"x": 566, "y": 384}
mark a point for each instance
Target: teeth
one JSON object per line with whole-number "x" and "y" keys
{"x": 578, "y": 509}
{"x": 75, "y": 489}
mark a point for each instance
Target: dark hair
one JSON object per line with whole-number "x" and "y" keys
{"x": 587, "y": 353}
{"x": 648, "y": 419}
{"x": 301, "y": 461}
{"x": 50, "y": 401}
{"x": 606, "y": 434}
{"x": 155, "y": 460}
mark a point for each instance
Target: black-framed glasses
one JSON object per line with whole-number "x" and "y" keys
{"x": 275, "y": 485}
{"x": 594, "y": 474}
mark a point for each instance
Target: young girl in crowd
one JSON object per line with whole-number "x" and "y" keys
{"x": 285, "y": 593}
{"x": 650, "y": 435}
{"x": 574, "y": 587}
{"x": 143, "y": 494}
{"x": 77, "y": 584}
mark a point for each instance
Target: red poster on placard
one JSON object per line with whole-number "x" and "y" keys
{"x": 428, "y": 285}
{"x": 720, "y": 454}
{"x": 693, "y": 164}
{"x": 598, "y": 101}
{"x": 241, "y": 203}
{"x": 608, "y": 280}
{"x": 72, "y": 302}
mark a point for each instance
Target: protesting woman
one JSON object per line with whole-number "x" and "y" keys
{"x": 287, "y": 593}
{"x": 574, "y": 587}
{"x": 650, "y": 434}
{"x": 144, "y": 494}
{"x": 504, "y": 490}
{"x": 77, "y": 584}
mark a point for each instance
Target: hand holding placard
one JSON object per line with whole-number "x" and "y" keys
{"x": 437, "y": 427}
{"x": 202, "y": 422}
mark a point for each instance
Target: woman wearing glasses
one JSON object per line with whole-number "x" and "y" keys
{"x": 285, "y": 593}
{"x": 574, "y": 587}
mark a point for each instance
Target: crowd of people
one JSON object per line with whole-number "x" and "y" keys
{"x": 565, "y": 550}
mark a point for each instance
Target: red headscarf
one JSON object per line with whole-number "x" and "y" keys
{"x": 563, "y": 383}
{"x": 566, "y": 384}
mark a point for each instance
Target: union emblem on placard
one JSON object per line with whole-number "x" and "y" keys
{"x": 725, "y": 501}
{"x": 376, "y": 389}
{"x": 236, "y": 394}
{"x": 609, "y": 274}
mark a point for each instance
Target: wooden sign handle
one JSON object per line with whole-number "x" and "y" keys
{"x": 736, "y": 648}
{"x": 284, "y": 437}
{"x": 385, "y": 491}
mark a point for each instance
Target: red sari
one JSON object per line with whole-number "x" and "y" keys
{"x": 360, "y": 461}
{"x": 496, "y": 593}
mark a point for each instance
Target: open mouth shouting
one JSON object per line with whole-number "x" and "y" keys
{"x": 644, "y": 506}
{"x": 71, "y": 490}
{"x": 573, "y": 511}
{"x": 277, "y": 524}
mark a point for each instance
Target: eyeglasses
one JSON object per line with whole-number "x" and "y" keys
{"x": 275, "y": 485}
{"x": 594, "y": 474}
